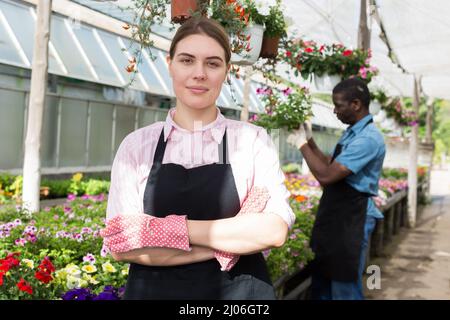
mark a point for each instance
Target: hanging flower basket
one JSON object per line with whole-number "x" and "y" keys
{"x": 326, "y": 82}
{"x": 182, "y": 10}
{"x": 269, "y": 48}
{"x": 251, "y": 54}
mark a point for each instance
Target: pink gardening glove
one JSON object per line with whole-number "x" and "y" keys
{"x": 255, "y": 202}
{"x": 127, "y": 232}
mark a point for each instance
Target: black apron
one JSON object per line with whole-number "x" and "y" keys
{"x": 338, "y": 230}
{"x": 203, "y": 193}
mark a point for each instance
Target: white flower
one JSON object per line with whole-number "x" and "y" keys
{"x": 263, "y": 6}
{"x": 29, "y": 263}
{"x": 75, "y": 282}
{"x": 288, "y": 21}
{"x": 73, "y": 270}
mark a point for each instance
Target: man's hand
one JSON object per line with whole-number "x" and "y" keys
{"x": 297, "y": 138}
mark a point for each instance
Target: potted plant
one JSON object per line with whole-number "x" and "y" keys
{"x": 286, "y": 108}
{"x": 313, "y": 61}
{"x": 254, "y": 34}
{"x": 181, "y": 10}
{"x": 234, "y": 18}
{"x": 276, "y": 25}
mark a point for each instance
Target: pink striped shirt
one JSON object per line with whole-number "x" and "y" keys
{"x": 251, "y": 153}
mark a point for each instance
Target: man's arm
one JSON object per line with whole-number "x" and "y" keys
{"x": 315, "y": 149}
{"x": 324, "y": 172}
{"x": 165, "y": 256}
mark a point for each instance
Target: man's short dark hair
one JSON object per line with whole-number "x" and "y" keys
{"x": 353, "y": 88}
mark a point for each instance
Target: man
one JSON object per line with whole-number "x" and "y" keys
{"x": 346, "y": 214}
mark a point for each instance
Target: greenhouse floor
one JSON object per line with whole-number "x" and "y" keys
{"x": 416, "y": 264}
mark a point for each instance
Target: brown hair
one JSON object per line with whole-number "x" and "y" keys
{"x": 206, "y": 26}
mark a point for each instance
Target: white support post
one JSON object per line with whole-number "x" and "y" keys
{"x": 32, "y": 162}
{"x": 412, "y": 168}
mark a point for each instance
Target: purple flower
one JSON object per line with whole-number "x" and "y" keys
{"x": 104, "y": 252}
{"x": 20, "y": 242}
{"x": 90, "y": 258}
{"x": 71, "y": 197}
{"x": 287, "y": 91}
{"x": 67, "y": 209}
{"x": 106, "y": 296}
{"x": 109, "y": 293}
{"x": 78, "y": 294}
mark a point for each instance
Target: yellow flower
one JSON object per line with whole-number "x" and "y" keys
{"x": 77, "y": 177}
{"x": 124, "y": 272}
{"x": 29, "y": 263}
{"x": 108, "y": 267}
{"x": 89, "y": 268}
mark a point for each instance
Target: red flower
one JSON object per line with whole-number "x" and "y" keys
{"x": 46, "y": 265}
{"x": 347, "y": 53}
{"x": 24, "y": 286}
{"x": 309, "y": 50}
{"x": 288, "y": 54}
{"x": 9, "y": 262}
{"x": 1, "y": 278}
{"x": 43, "y": 277}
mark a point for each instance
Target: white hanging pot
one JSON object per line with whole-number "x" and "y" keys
{"x": 380, "y": 116}
{"x": 374, "y": 107}
{"x": 326, "y": 82}
{"x": 256, "y": 31}
{"x": 388, "y": 124}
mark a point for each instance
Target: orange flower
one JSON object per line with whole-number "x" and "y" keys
{"x": 131, "y": 68}
{"x": 300, "y": 198}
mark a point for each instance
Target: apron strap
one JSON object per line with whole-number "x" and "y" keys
{"x": 160, "y": 149}
{"x": 223, "y": 155}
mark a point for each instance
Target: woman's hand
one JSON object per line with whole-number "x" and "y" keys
{"x": 127, "y": 232}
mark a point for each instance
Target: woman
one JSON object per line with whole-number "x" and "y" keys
{"x": 198, "y": 166}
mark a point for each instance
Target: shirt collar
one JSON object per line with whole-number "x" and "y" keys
{"x": 214, "y": 130}
{"x": 358, "y": 126}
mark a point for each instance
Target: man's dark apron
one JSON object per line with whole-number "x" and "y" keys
{"x": 338, "y": 230}
{"x": 204, "y": 193}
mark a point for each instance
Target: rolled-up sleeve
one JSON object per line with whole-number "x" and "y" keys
{"x": 123, "y": 195}
{"x": 267, "y": 173}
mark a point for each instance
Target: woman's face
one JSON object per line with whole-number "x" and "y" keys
{"x": 198, "y": 70}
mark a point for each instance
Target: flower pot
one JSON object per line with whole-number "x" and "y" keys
{"x": 269, "y": 47}
{"x": 256, "y": 33}
{"x": 326, "y": 82}
{"x": 181, "y": 10}
{"x": 380, "y": 116}
{"x": 374, "y": 107}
